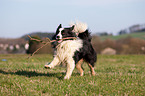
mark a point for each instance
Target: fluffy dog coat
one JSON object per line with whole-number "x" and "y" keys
{"x": 73, "y": 51}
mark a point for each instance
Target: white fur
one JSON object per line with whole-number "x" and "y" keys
{"x": 67, "y": 48}
{"x": 59, "y": 34}
{"x": 55, "y": 62}
{"x": 70, "y": 67}
{"x": 65, "y": 52}
{"x": 79, "y": 26}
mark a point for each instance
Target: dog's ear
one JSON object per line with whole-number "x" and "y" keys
{"x": 72, "y": 27}
{"x": 60, "y": 26}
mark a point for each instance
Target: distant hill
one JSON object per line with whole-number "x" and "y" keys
{"x": 12, "y": 41}
{"x": 40, "y": 34}
{"x": 140, "y": 35}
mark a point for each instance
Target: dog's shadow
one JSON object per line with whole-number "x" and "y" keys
{"x": 29, "y": 74}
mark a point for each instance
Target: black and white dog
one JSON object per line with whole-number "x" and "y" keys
{"x": 73, "y": 51}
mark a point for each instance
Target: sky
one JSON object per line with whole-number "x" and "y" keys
{"x": 20, "y": 17}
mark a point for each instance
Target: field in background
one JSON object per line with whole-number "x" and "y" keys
{"x": 116, "y": 75}
{"x": 140, "y": 35}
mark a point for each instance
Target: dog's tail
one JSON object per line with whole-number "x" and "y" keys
{"x": 79, "y": 26}
{"x": 81, "y": 29}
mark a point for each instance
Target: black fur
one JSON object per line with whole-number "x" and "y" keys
{"x": 85, "y": 36}
{"x": 87, "y": 53}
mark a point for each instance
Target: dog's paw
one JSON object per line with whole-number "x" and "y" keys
{"x": 66, "y": 77}
{"x": 47, "y": 66}
{"x": 81, "y": 74}
{"x": 93, "y": 73}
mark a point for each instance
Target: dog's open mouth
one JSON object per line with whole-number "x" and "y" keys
{"x": 60, "y": 40}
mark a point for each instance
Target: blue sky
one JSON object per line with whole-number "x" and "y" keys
{"x": 19, "y": 17}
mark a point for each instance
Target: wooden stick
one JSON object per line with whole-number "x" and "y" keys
{"x": 36, "y": 39}
{"x": 45, "y": 43}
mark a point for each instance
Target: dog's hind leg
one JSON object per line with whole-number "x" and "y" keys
{"x": 92, "y": 69}
{"x": 79, "y": 67}
{"x": 70, "y": 68}
{"x": 55, "y": 62}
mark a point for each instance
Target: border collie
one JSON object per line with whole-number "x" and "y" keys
{"x": 74, "y": 51}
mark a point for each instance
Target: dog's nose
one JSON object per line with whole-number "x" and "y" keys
{"x": 57, "y": 37}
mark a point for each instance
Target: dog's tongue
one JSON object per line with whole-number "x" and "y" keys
{"x": 59, "y": 41}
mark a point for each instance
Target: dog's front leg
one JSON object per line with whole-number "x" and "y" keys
{"x": 70, "y": 68}
{"x": 55, "y": 62}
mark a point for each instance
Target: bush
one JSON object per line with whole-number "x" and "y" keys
{"x": 97, "y": 44}
{"x": 34, "y": 45}
{"x": 127, "y": 45}
{"x": 132, "y": 46}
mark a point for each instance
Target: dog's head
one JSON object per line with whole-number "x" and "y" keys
{"x": 64, "y": 32}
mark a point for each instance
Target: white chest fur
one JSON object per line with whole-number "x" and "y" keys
{"x": 67, "y": 48}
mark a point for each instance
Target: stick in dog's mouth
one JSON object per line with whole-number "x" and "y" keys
{"x": 60, "y": 40}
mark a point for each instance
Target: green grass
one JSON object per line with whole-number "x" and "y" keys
{"x": 140, "y": 35}
{"x": 116, "y": 75}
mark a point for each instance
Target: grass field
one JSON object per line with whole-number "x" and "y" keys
{"x": 115, "y": 75}
{"x": 140, "y": 35}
